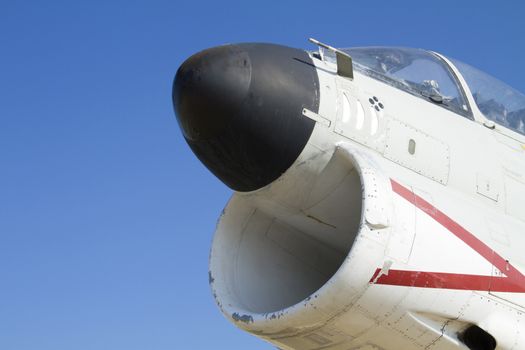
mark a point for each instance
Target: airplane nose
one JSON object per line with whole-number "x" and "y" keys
{"x": 240, "y": 110}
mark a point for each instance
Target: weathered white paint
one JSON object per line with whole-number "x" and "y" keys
{"x": 291, "y": 263}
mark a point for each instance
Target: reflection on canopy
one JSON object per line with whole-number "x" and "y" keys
{"x": 415, "y": 71}
{"x": 495, "y": 99}
{"x": 426, "y": 75}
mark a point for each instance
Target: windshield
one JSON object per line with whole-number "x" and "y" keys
{"x": 416, "y": 71}
{"x": 495, "y": 99}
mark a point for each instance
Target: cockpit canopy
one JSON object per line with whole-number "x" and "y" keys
{"x": 416, "y": 71}
{"x": 425, "y": 74}
{"x": 496, "y": 100}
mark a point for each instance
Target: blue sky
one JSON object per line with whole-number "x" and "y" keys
{"x": 106, "y": 217}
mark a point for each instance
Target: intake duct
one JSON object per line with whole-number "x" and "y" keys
{"x": 282, "y": 265}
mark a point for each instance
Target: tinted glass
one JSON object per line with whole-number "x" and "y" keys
{"x": 495, "y": 99}
{"x": 416, "y": 71}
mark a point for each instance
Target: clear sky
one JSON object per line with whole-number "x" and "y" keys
{"x": 106, "y": 217}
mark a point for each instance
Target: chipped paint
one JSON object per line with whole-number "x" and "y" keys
{"x": 384, "y": 271}
{"x": 242, "y": 318}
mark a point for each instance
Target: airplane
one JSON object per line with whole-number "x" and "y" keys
{"x": 378, "y": 195}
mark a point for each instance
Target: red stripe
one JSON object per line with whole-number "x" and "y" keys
{"x": 447, "y": 281}
{"x": 513, "y": 282}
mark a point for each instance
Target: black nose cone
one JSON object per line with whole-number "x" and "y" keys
{"x": 240, "y": 110}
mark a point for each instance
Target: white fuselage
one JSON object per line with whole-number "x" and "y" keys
{"x": 439, "y": 229}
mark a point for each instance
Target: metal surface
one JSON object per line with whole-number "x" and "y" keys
{"x": 397, "y": 223}
{"x": 345, "y": 67}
